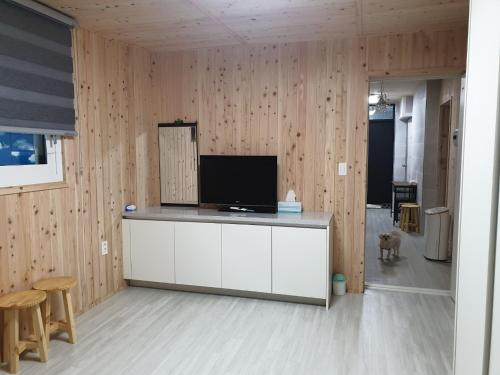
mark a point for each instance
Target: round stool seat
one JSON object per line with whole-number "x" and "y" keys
{"x": 409, "y": 221}
{"x": 55, "y": 284}
{"x": 410, "y": 205}
{"x": 22, "y": 300}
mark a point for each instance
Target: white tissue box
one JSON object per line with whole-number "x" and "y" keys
{"x": 289, "y": 206}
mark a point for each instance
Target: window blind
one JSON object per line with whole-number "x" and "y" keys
{"x": 36, "y": 73}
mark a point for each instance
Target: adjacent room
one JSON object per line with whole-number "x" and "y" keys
{"x": 246, "y": 187}
{"x": 414, "y": 128}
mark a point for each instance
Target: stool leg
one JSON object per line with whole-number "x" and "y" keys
{"x": 402, "y": 220}
{"x": 45, "y": 308}
{"x": 39, "y": 332}
{"x": 70, "y": 320}
{"x": 11, "y": 339}
{"x": 6, "y": 341}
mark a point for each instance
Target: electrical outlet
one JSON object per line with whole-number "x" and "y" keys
{"x": 342, "y": 169}
{"x": 104, "y": 247}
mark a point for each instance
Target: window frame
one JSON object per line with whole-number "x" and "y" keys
{"x": 25, "y": 175}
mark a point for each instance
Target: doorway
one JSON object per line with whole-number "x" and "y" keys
{"x": 411, "y": 161}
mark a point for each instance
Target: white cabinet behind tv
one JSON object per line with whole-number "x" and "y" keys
{"x": 272, "y": 256}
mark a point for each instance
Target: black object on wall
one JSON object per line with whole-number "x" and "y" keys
{"x": 380, "y": 162}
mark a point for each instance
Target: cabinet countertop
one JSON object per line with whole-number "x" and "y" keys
{"x": 194, "y": 214}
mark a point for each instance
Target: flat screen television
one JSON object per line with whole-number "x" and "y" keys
{"x": 239, "y": 183}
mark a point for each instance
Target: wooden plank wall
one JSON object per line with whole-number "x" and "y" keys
{"x": 305, "y": 102}
{"x": 58, "y": 232}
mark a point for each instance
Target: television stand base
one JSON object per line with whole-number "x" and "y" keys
{"x": 248, "y": 209}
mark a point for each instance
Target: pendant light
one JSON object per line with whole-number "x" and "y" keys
{"x": 382, "y": 104}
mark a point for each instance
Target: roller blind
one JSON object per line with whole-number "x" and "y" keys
{"x": 36, "y": 73}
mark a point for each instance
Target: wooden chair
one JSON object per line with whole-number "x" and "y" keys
{"x": 410, "y": 217}
{"x": 12, "y": 347}
{"x": 53, "y": 285}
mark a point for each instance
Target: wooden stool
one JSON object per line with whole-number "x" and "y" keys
{"x": 12, "y": 347}
{"x": 53, "y": 285}
{"x": 410, "y": 217}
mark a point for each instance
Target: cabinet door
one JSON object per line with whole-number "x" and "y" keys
{"x": 246, "y": 257}
{"x": 299, "y": 261}
{"x": 198, "y": 254}
{"x": 152, "y": 250}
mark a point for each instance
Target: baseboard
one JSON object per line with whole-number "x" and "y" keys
{"x": 408, "y": 289}
{"x": 227, "y": 292}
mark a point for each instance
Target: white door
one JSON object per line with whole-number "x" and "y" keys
{"x": 299, "y": 261}
{"x": 198, "y": 254}
{"x": 152, "y": 250}
{"x": 246, "y": 257}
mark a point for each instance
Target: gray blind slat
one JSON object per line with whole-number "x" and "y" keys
{"x": 34, "y": 97}
{"x": 23, "y": 126}
{"x": 21, "y": 50}
{"x": 31, "y": 82}
{"x": 15, "y": 109}
{"x": 14, "y": 33}
{"x": 34, "y": 23}
{"x": 36, "y": 86}
{"x": 43, "y": 71}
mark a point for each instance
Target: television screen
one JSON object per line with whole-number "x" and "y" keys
{"x": 242, "y": 181}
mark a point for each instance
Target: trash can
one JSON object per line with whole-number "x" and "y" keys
{"x": 437, "y": 222}
{"x": 339, "y": 287}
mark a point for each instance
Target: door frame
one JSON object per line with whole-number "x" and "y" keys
{"x": 423, "y": 74}
{"x": 479, "y": 193}
{"x": 361, "y": 172}
{"x": 446, "y": 107}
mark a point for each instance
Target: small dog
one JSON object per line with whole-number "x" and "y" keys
{"x": 389, "y": 241}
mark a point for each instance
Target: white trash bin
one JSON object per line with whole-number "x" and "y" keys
{"x": 437, "y": 223}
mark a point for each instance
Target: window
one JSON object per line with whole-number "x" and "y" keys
{"x": 386, "y": 113}
{"x": 22, "y": 149}
{"x": 27, "y": 159}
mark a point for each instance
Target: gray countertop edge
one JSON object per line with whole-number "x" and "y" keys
{"x": 233, "y": 219}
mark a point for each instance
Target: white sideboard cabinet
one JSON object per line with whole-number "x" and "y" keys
{"x": 280, "y": 256}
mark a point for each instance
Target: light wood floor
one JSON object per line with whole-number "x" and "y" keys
{"x": 148, "y": 331}
{"x": 411, "y": 269}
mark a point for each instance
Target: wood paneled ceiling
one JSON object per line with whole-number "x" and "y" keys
{"x": 187, "y": 24}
